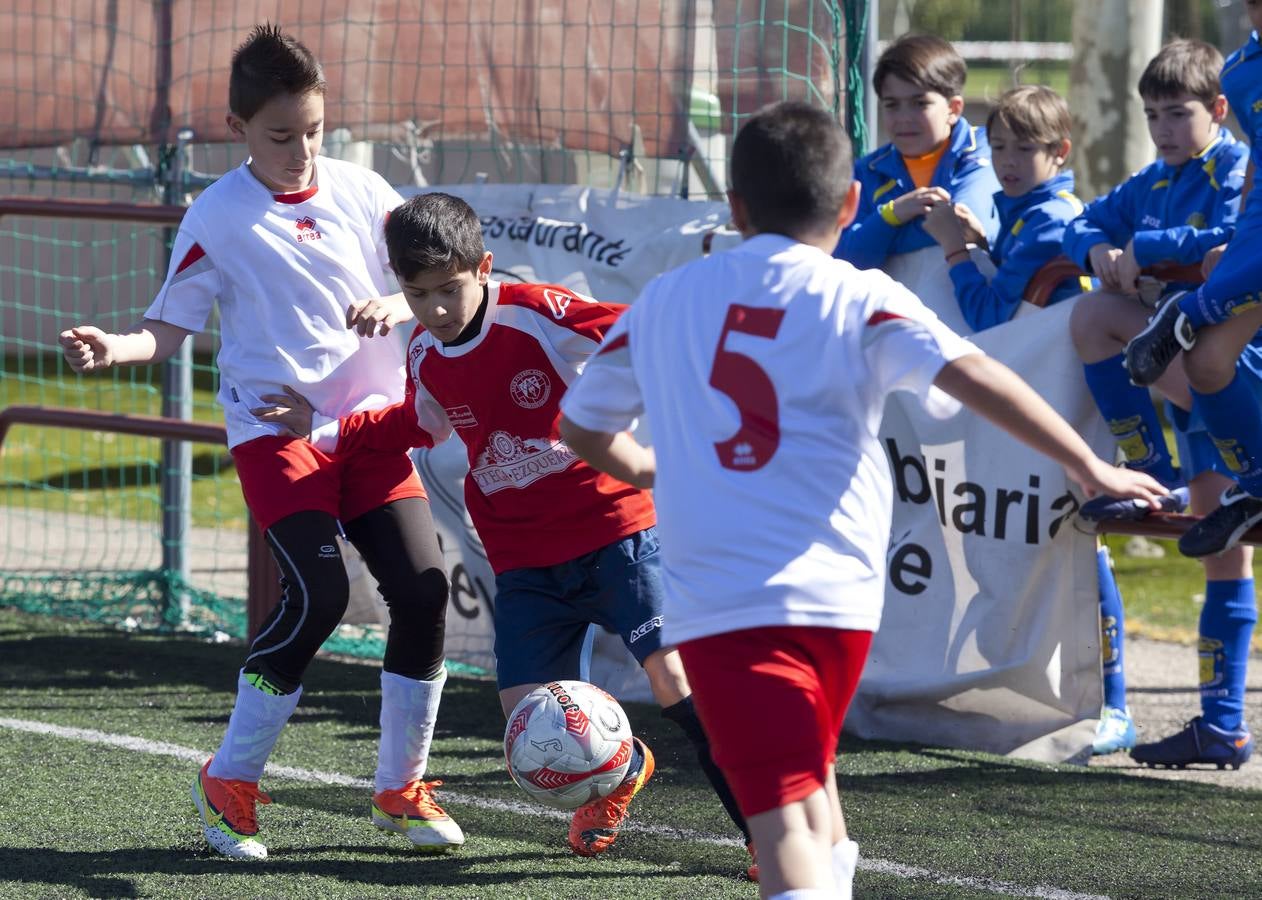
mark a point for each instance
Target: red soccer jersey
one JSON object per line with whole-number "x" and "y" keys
{"x": 533, "y": 501}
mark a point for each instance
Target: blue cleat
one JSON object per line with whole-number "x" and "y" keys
{"x": 1115, "y": 732}
{"x": 1150, "y": 352}
{"x": 1223, "y": 528}
{"x": 1199, "y": 742}
{"x": 1124, "y": 509}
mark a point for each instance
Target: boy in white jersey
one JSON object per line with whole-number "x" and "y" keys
{"x": 292, "y": 250}
{"x": 570, "y": 546}
{"x": 763, "y": 372}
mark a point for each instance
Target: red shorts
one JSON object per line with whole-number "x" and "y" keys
{"x": 772, "y": 701}
{"x": 281, "y": 476}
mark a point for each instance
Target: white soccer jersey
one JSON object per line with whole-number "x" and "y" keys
{"x": 284, "y": 268}
{"x": 763, "y": 372}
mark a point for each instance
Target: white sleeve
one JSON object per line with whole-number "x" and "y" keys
{"x": 607, "y": 396}
{"x": 906, "y": 345}
{"x": 384, "y": 199}
{"x": 192, "y": 283}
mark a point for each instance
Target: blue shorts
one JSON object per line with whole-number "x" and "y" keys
{"x": 1197, "y": 452}
{"x": 542, "y": 615}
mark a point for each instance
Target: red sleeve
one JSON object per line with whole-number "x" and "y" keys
{"x": 387, "y": 428}
{"x": 580, "y": 314}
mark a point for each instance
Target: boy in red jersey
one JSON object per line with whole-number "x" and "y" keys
{"x": 570, "y": 546}
{"x": 764, "y": 372}
{"x": 293, "y": 288}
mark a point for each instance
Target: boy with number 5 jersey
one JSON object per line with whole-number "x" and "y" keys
{"x": 570, "y": 546}
{"x": 764, "y": 372}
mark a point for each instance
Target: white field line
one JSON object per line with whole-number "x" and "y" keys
{"x": 880, "y": 866}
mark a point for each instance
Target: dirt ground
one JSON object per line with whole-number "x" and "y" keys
{"x": 1162, "y": 689}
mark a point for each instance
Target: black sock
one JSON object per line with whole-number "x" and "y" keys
{"x": 684, "y": 714}
{"x": 636, "y": 764}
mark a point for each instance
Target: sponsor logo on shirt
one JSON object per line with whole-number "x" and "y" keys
{"x": 557, "y": 302}
{"x": 460, "y": 417}
{"x": 306, "y": 230}
{"x": 1152, "y": 221}
{"x": 530, "y": 389}
{"x": 509, "y": 461}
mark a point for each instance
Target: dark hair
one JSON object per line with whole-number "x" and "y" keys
{"x": 791, "y": 165}
{"x": 1032, "y": 113}
{"x": 925, "y": 60}
{"x": 434, "y": 231}
{"x": 269, "y": 64}
{"x": 1183, "y": 67}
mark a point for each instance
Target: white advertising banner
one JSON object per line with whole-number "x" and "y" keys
{"x": 990, "y": 637}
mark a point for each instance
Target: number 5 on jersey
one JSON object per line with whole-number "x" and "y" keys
{"x": 747, "y": 385}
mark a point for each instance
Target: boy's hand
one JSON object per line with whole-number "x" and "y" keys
{"x": 1101, "y": 478}
{"x": 1103, "y": 259}
{"x": 290, "y": 410}
{"x": 914, "y": 204}
{"x": 974, "y": 230}
{"x": 1211, "y": 259}
{"x": 377, "y": 315}
{"x": 944, "y": 226}
{"x": 86, "y": 348}
{"x": 1127, "y": 268}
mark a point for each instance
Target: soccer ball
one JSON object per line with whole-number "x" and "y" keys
{"x": 567, "y": 743}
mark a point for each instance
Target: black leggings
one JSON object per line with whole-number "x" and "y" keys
{"x": 400, "y": 548}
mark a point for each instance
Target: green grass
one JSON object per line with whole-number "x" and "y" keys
{"x": 986, "y": 81}
{"x": 70, "y": 471}
{"x": 84, "y": 820}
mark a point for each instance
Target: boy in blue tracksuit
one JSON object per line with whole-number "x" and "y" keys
{"x": 935, "y": 156}
{"x": 1216, "y": 327}
{"x": 1028, "y": 130}
{"x": 1176, "y": 210}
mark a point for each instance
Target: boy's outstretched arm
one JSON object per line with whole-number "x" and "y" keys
{"x": 618, "y": 455}
{"x": 89, "y": 349}
{"x": 994, "y": 391}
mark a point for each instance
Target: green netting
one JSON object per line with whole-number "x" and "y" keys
{"x": 93, "y": 98}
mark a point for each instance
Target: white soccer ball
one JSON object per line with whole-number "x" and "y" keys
{"x": 567, "y": 743}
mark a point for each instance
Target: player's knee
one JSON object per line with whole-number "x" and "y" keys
{"x": 327, "y": 599}
{"x": 421, "y": 593}
{"x": 1207, "y": 367}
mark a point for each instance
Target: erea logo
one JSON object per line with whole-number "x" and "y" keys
{"x": 306, "y": 230}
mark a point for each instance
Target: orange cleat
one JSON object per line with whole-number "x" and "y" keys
{"x": 596, "y": 824}
{"x": 412, "y": 811}
{"x": 227, "y": 810}
{"x": 752, "y": 872}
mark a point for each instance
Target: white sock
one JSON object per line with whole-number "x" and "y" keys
{"x": 845, "y": 860}
{"x": 804, "y": 894}
{"x": 408, "y": 711}
{"x": 253, "y": 729}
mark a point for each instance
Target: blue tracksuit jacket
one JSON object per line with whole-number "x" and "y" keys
{"x": 964, "y": 171}
{"x": 1172, "y": 213}
{"x": 1031, "y": 229}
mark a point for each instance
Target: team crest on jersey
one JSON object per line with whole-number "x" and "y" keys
{"x": 530, "y": 389}
{"x": 558, "y": 302}
{"x": 307, "y": 230}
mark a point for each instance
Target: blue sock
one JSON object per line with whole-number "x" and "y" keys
{"x": 1235, "y": 424}
{"x": 1112, "y": 632}
{"x": 1131, "y": 417}
{"x": 1227, "y": 621}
